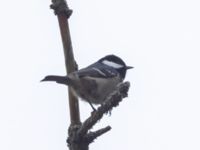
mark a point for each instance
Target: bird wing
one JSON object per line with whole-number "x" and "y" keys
{"x": 98, "y": 71}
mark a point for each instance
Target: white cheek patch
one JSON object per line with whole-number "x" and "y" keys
{"x": 112, "y": 64}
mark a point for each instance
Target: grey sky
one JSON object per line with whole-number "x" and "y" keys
{"x": 159, "y": 38}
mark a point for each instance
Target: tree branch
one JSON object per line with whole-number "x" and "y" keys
{"x": 111, "y": 101}
{"x": 91, "y": 136}
{"x": 63, "y": 13}
{"x": 81, "y": 135}
{"x": 61, "y": 7}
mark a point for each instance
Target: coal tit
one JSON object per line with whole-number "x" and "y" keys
{"x": 95, "y": 82}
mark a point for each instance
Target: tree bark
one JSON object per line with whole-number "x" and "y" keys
{"x": 63, "y": 13}
{"x": 79, "y": 135}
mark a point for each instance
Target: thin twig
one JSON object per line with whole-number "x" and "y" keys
{"x": 91, "y": 136}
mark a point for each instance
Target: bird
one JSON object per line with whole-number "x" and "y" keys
{"x": 95, "y": 82}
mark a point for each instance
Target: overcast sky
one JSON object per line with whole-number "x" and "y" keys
{"x": 159, "y": 38}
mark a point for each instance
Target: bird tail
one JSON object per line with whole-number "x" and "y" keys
{"x": 59, "y": 79}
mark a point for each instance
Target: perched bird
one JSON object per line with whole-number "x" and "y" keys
{"x": 95, "y": 82}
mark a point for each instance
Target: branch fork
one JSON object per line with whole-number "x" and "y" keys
{"x": 80, "y": 133}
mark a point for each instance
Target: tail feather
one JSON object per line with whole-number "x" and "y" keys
{"x": 59, "y": 79}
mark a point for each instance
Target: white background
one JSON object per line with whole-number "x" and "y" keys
{"x": 159, "y": 38}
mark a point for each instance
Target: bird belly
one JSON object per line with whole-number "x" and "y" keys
{"x": 89, "y": 91}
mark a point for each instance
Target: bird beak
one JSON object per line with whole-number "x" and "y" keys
{"x": 129, "y": 67}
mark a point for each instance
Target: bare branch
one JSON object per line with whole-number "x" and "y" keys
{"x": 112, "y": 101}
{"x": 63, "y": 13}
{"x": 93, "y": 135}
{"x": 61, "y": 7}
{"x": 79, "y": 137}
